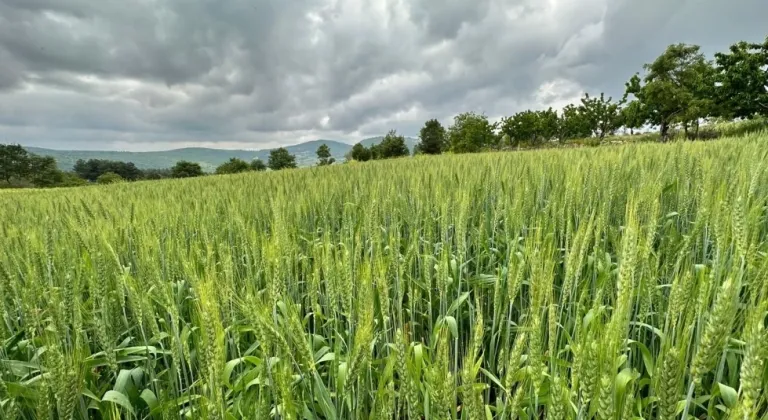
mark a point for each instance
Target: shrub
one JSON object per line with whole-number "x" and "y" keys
{"x": 109, "y": 178}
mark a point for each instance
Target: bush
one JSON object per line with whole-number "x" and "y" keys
{"x": 708, "y": 134}
{"x": 70, "y": 179}
{"x": 109, "y": 178}
{"x": 740, "y": 127}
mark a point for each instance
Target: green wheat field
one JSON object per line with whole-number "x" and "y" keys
{"x": 619, "y": 282}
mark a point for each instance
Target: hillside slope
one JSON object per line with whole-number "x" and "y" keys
{"x": 208, "y": 158}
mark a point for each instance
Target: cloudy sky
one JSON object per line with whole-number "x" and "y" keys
{"x": 161, "y": 74}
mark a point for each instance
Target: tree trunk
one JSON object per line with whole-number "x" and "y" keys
{"x": 664, "y": 131}
{"x": 685, "y": 129}
{"x": 696, "y": 130}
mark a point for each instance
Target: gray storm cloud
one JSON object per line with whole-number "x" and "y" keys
{"x": 154, "y": 74}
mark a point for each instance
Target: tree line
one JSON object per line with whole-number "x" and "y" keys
{"x": 20, "y": 168}
{"x": 678, "y": 90}
{"x": 391, "y": 146}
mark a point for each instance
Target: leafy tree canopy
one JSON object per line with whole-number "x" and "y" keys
{"x": 17, "y": 166}
{"x": 324, "y": 155}
{"x": 573, "y": 123}
{"x": 71, "y": 179}
{"x": 743, "y": 78}
{"x": 471, "y": 133}
{"x": 233, "y": 166}
{"x": 432, "y": 138}
{"x": 109, "y": 178}
{"x": 392, "y": 146}
{"x": 677, "y": 81}
{"x": 530, "y": 126}
{"x": 14, "y": 162}
{"x": 91, "y": 169}
{"x": 633, "y": 115}
{"x": 186, "y": 169}
{"x": 360, "y": 153}
{"x": 281, "y": 159}
{"x": 258, "y": 165}
{"x": 155, "y": 174}
{"x": 601, "y": 114}
{"x": 43, "y": 171}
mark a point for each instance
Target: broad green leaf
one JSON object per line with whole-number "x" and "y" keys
{"x": 123, "y": 381}
{"x": 729, "y": 395}
{"x": 19, "y": 368}
{"x": 647, "y": 357}
{"x": 326, "y": 358}
{"x": 149, "y": 398}
{"x": 87, "y": 392}
{"x": 119, "y": 399}
{"x": 230, "y": 366}
{"x": 623, "y": 379}
{"x": 653, "y": 329}
{"x": 418, "y": 356}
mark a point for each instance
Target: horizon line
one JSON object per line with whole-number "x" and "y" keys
{"x": 207, "y": 148}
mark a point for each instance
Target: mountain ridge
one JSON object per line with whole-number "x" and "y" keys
{"x": 208, "y": 158}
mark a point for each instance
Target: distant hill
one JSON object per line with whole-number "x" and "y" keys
{"x": 208, "y": 158}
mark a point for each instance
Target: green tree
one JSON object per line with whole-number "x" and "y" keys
{"x": 186, "y": 169}
{"x": 324, "y": 155}
{"x": 633, "y": 116}
{"x": 521, "y": 127}
{"x": 546, "y": 124}
{"x": 14, "y": 162}
{"x": 91, "y": 169}
{"x": 281, "y": 159}
{"x": 572, "y": 123}
{"x": 71, "y": 179}
{"x": 530, "y": 126}
{"x": 360, "y": 153}
{"x": 233, "y": 166}
{"x": 43, "y": 171}
{"x": 672, "y": 83}
{"x": 258, "y": 165}
{"x": 392, "y": 146}
{"x": 432, "y": 138}
{"x": 601, "y": 114}
{"x": 743, "y": 77}
{"x": 375, "y": 151}
{"x": 88, "y": 169}
{"x": 155, "y": 174}
{"x": 471, "y": 133}
{"x": 109, "y": 178}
